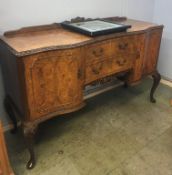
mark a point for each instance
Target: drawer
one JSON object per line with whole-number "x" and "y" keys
{"x": 125, "y": 45}
{"x": 97, "y": 52}
{"x": 108, "y": 67}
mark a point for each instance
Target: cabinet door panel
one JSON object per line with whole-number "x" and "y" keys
{"x": 152, "y": 52}
{"x": 138, "y": 57}
{"x": 54, "y": 81}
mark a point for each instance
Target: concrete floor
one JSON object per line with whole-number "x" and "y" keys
{"x": 118, "y": 133}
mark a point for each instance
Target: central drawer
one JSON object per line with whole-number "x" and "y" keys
{"x": 116, "y": 47}
{"x": 108, "y": 67}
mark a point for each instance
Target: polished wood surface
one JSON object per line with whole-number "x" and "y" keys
{"x": 44, "y": 38}
{"x": 5, "y": 168}
{"x": 34, "y": 38}
{"x": 54, "y": 84}
{"x": 46, "y": 68}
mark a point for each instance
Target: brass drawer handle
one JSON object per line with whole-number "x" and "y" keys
{"x": 97, "y": 69}
{"x": 123, "y": 46}
{"x": 121, "y": 62}
{"x": 98, "y": 52}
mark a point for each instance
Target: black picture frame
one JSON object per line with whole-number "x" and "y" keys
{"x": 77, "y": 27}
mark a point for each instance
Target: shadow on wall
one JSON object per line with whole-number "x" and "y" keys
{"x": 3, "y": 115}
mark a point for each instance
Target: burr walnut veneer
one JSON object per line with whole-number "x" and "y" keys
{"x": 46, "y": 68}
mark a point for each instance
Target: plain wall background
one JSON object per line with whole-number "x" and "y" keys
{"x": 163, "y": 14}
{"x": 20, "y": 13}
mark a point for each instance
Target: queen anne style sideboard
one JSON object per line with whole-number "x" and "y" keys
{"x": 46, "y": 68}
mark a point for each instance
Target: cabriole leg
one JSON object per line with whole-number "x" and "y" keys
{"x": 29, "y": 134}
{"x": 156, "y": 79}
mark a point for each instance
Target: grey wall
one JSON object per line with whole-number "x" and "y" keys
{"x": 163, "y": 15}
{"x": 19, "y": 13}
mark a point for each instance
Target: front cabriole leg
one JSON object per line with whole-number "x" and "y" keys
{"x": 156, "y": 80}
{"x": 29, "y": 130}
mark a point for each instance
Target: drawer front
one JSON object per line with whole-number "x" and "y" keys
{"x": 97, "y": 52}
{"x": 124, "y": 45}
{"x": 108, "y": 67}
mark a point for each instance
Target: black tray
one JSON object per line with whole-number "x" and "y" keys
{"x": 95, "y": 27}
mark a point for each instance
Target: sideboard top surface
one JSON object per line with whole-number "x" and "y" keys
{"x": 48, "y": 37}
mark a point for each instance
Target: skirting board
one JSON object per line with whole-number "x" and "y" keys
{"x": 163, "y": 81}
{"x": 166, "y": 82}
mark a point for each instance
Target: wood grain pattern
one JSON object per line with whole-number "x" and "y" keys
{"x": 152, "y": 50}
{"x": 98, "y": 51}
{"x": 42, "y": 38}
{"x": 137, "y": 72}
{"x": 54, "y": 81}
{"x": 108, "y": 67}
{"x": 46, "y": 68}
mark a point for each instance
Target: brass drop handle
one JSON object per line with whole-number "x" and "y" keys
{"x": 98, "y": 69}
{"x": 98, "y": 52}
{"x": 121, "y": 62}
{"x": 123, "y": 46}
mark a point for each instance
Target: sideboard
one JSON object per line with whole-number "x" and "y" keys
{"x": 46, "y": 68}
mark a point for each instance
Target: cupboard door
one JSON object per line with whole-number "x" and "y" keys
{"x": 138, "y": 57}
{"x": 152, "y": 51}
{"x": 55, "y": 81}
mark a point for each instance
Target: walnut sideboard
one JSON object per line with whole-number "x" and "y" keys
{"x": 46, "y": 68}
